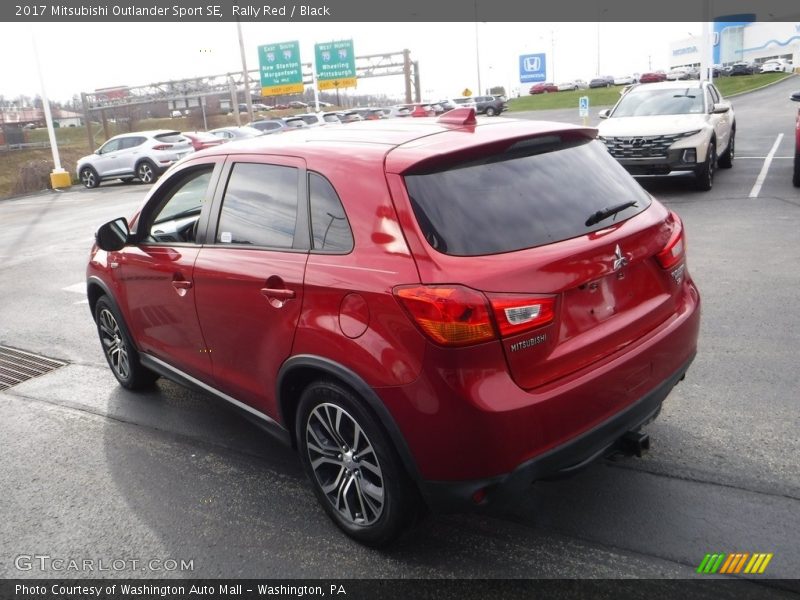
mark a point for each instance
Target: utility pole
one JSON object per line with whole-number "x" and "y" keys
{"x": 246, "y": 78}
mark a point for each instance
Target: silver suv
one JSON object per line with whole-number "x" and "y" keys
{"x": 143, "y": 155}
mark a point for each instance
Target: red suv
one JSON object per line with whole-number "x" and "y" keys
{"x": 432, "y": 311}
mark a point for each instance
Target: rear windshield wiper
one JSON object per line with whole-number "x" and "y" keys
{"x": 608, "y": 211}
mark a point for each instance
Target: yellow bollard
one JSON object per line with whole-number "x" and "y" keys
{"x": 60, "y": 179}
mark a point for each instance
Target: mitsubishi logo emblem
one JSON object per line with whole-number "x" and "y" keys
{"x": 619, "y": 260}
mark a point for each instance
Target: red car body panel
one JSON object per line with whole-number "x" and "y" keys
{"x": 474, "y": 413}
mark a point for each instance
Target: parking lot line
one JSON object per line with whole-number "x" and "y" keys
{"x": 764, "y": 169}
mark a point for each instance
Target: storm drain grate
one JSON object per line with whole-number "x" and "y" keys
{"x": 17, "y": 366}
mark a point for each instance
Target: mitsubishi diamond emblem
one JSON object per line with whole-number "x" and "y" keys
{"x": 619, "y": 260}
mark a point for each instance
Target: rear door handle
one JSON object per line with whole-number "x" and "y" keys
{"x": 281, "y": 294}
{"x": 182, "y": 286}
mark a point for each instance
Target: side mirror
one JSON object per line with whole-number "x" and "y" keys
{"x": 605, "y": 113}
{"x": 796, "y": 96}
{"x": 720, "y": 108}
{"x": 113, "y": 235}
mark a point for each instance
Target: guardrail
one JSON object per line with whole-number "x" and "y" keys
{"x": 26, "y": 146}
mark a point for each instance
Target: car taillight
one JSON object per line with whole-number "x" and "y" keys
{"x": 675, "y": 249}
{"x": 449, "y": 315}
{"x": 456, "y": 315}
{"x": 516, "y": 314}
{"x": 162, "y": 147}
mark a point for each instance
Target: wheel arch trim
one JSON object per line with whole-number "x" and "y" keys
{"x": 361, "y": 387}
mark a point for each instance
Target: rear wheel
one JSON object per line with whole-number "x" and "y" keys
{"x": 121, "y": 354}
{"x": 726, "y": 158}
{"x": 146, "y": 171}
{"x": 490, "y": 112}
{"x": 704, "y": 176}
{"x": 356, "y": 473}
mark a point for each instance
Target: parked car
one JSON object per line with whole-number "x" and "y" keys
{"x": 678, "y": 73}
{"x": 328, "y": 289}
{"x": 680, "y": 126}
{"x": 311, "y": 119}
{"x": 778, "y": 65}
{"x": 626, "y": 80}
{"x": 543, "y": 88}
{"x": 269, "y": 126}
{"x": 465, "y": 102}
{"x": 334, "y": 118}
{"x": 236, "y": 133}
{"x": 201, "y": 139}
{"x": 490, "y": 105}
{"x": 575, "y": 84}
{"x": 652, "y": 77}
{"x": 297, "y": 104}
{"x": 796, "y": 173}
{"x": 602, "y": 81}
{"x": 351, "y": 117}
{"x": 743, "y": 68}
{"x": 143, "y": 155}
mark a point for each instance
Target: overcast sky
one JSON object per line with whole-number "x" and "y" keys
{"x": 83, "y": 57}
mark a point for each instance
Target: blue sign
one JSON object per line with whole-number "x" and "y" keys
{"x": 583, "y": 106}
{"x": 532, "y": 67}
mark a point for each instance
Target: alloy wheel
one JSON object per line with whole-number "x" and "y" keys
{"x": 345, "y": 464}
{"x": 145, "y": 173}
{"x": 114, "y": 344}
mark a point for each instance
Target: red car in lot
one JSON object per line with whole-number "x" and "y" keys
{"x": 653, "y": 77}
{"x": 362, "y": 294}
{"x": 796, "y": 172}
{"x": 543, "y": 88}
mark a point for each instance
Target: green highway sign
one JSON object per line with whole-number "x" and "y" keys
{"x": 335, "y": 64}
{"x": 280, "y": 69}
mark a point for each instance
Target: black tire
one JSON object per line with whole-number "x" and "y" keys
{"x": 490, "y": 112}
{"x": 146, "y": 172}
{"x": 726, "y": 158}
{"x": 89, "y": 177}
{"x": 120, "y": 353}
{"x": 796, "y": 176}
{"x": 369, "y": 475}
{"x": 704, "y": 176}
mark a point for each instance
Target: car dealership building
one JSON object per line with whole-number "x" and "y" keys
{"x": 741, "y": 40}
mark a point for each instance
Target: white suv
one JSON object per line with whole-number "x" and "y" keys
{"x": 658, "y": 128}
{"x": 143, "y": 155}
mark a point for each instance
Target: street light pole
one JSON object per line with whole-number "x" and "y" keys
{"x": 59, "y": 178}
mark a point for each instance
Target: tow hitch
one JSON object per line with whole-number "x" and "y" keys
{"x": 634, "y": 443}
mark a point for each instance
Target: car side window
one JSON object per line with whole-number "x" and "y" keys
{"x": 329, "y": 223}
{"x": 260, "y": 206}
{"x": 111, "y": 146}
{"x": 177, "y": 218}
{"x": 131, "y": 142}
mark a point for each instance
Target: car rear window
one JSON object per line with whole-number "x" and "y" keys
{"x": 538, "y": 192}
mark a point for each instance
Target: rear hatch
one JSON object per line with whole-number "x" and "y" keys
{"x": 573, "y": 259}
{"x": 174, "y": 144}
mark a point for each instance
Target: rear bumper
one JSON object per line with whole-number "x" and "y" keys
{"x": 468, "y": 426}
{"x": 564, "y": 460}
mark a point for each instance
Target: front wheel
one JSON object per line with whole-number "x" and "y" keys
{"x": 355, "y": 471}
{"x": 726, "y": 158}
{"x": 146, "y": 172}
{"x": 704, "y": 176}
{"x": 490, "y": 112}
{"x": 89, "y": 177}
{"x": 121, "y": 354}
{"x": 796, "y": 177}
